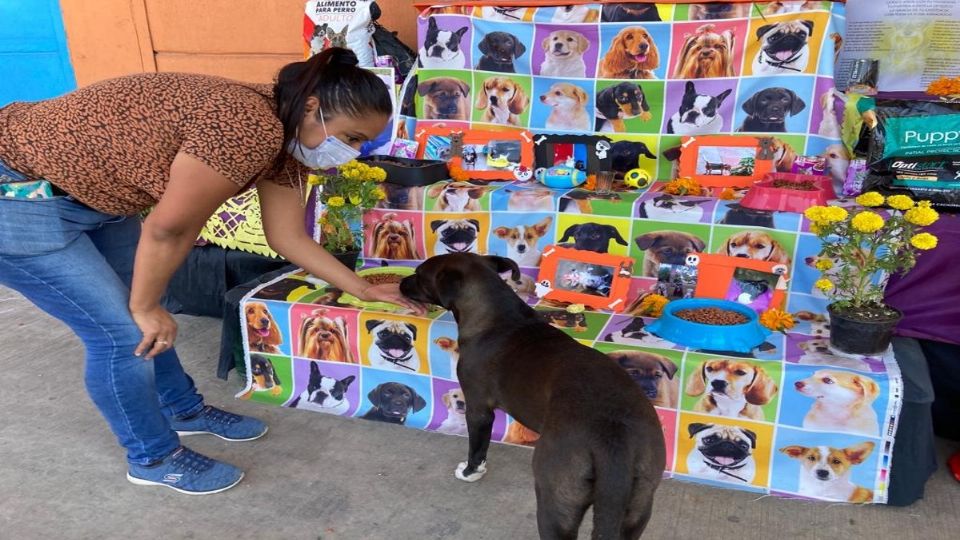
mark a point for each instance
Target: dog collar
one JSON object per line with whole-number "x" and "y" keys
{"x": 766, "y": 58}
{"x": 506, "y": 12}
{"x": 397, "y": 361}
{"x": 725, "y": 469}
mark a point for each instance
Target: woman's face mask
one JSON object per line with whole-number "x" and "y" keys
{"x": 332, "y": 152}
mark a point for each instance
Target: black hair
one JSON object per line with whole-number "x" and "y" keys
{"x": 334, "y": 78}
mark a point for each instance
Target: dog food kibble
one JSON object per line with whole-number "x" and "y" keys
{"x": 381, "y": 279}
{"x": 712, "y": 315}
{"x": 803, "y": 185}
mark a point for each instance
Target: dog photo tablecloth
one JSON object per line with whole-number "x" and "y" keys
{"x": 790, "y": 418}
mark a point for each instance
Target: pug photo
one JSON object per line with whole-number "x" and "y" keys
{"x": 393, "y": 346}
{"x": 784, "y": 47}
{"x": 723, "y": 453}
{"x": 455, "y": 236}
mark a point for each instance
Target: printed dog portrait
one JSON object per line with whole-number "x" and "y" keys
{"x": 790, "y": 6}
{"x": 633, "y": 54}
{"x": 499, "y": 50}
{"x": 568, "y": 107}
{"x": 263, "y": 334}
{"x": 393, "y": 346}
{"x": 594, "y": 237}
{"x": 723, "y": 453}
{"x": 575, "y": 14}
{"x": 522, "y": 241}
{"x": 455, "y": 236}
{"x": 456, "y": 406}
{"x": 630, "y": 12}
{"x": 264, "y": 376}
{"x": 394, "y": 239}
{"x": 393, "y": 402}
{"x": 563, "y": 51}
{"x": 502, "y": 100}
{"x": 755, "y": 245}
{"x": 441, "y": 47}
{"x": 445, "y": 98}
{"x": 324, "y": 394}
{"x": 784, "y": 47}
{"x": 825, "y": 471}
{"x": 738, "y": 214}
{"x": 563, "y": 319}
{"x": 323, "y": 338}
{"x": 666, "y": 207}
{"x": 635, "y": 333}
{"x": 618, "y": 103}
{"x": 625, "y": 155}
{"x": 843, "y": 401}
{"x": 539, "y": 199}
{"x": 698, "y": 113}
{"x": 731, "y": 388}
{"x": 456, "y": 196}
{"x": 719, "y": 10}
{"x": 706, "y": 53}
{"x": 768, "y": 109}
{"x": 654, "y": 373}
{"x": 816, "y": 352}
{"x": 666, "y": 247}
{"x": 452, "y": 348}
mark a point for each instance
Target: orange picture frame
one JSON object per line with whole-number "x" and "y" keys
{"x": 558, "y": 263}
{"x": 716, "y": 272}
{"x": 720, "y": 160}
{"x": 516, "y": 153}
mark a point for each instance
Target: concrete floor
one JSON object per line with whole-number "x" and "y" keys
{"x": 321, "y": 477}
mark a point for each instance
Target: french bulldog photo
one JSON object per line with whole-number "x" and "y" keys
{"x": 441, "y": 47}
{"x": 324, "y": 394}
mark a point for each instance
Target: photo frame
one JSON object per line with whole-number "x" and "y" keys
{"x": 482, "y": 154}
{"x": 761, "y": 285}
{"x": 598, "y": 280}
{"x": 726, "y": 160}
{"x": 590, "y": 153}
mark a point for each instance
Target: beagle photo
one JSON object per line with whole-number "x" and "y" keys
{"x": 755, "y": 245}
{"x": 502, "y": 101}
{"x": 731, "y": 388}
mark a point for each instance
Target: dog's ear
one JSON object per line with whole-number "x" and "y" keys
{"x": 418, "y": 402}
{"x": 616, "y": 60}
{"x": 697, "y": 427}
{"x": 482, "y": 100}
{"x": 545, "y": 44}
{"x": 685, "y": 57}
{"x": 435, "y": 190}
{"x": 580, "y": 94}
{"x": 475, "y": 223}
{"x": 426, "y": 87}
{"x": 697, "y": 243}
{"x": 794, "y": 451}
{"x": 374, "y": 396}
{"x": 346, "y": 381}
{"x": 723, "y": 95}
{"x": 314, "y": 369}
{"x": 412, "y": 328}
{"x": 476, "y": 193}
{"x": 436, "y": 224}
{"x": 778, "y": 254}
{"x": 501, "y": 232}
{"x": 763, "y": 30}
{"x": 484, "y": 44}
{"x": 446, "y": 399}
{"x": 275, "y": 337}
{"x": 570, "y": 232}
{"x": 796, "y": 104}
{"x": 809, "y": 24}
{"x": 646, "y": 241}
{"x": 867, "y": 385}
{"x": 690, "y": 88}
{"x": 761, "y": 389}
{"x": 644, "y": 106}
{"x": 519, "y": 100}
{"x": 542, "y": 226}
{"x": 503, "y": 264}
{"x": 582, "y": 42}
{"x": 373, "y": 323}
{"x": 750, "y": 435}
{"x": 750, "y": 105}
{"x": 696, "y": 386}
{"x": 432, "y": 24}
{"x": 518, "y": 48}
{"x": 669, "y": 367}
{"x": 464, "y": 88}
{"x": 614, "y": 233}
{"x": 645, "y": 151}
{"x": 858, "y": 453}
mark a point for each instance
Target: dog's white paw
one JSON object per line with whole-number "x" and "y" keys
{"x": 478, "y": 474}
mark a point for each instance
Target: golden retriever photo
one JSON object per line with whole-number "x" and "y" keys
{"x": 263, "y": 334}
{"x": 755, "y": 245}
{"x": 633, "y": 55}
{"x": 323, "y": 338}
{"x": 502, "y": 101}
{"x": 706, "y": 53}
{"x": 731, "y": 388}
{"x": 394, "y": 239}
{"x": 563, "y": 54}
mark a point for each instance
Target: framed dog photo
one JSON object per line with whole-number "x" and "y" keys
{"x": 598, "y": 280}
{"x": 494, "y": 155}
{"x": 760, "y": 285}
{"x": 589, "y": 153}
{"x": 676, "y": 281}
{"x": 726, "y": 160}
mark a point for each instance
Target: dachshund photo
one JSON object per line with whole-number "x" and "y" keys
{"x": 394, "y": 239}
{"x": 731, "y": 388}
{"x": 630, "y": 12}
{"x": 768, "y": 109}
{"x": 445, "y": 98}
{"x": 755, "y": 245}
{"x": 706, "y": 53}
{"x": 264, "y": 377}
{"x": 618, "y": 103}
{"x": 502, "y": 100}
{"x": 263, "y": 334}
{"x": 633, "y": 55}
{"x": 499, "y": 50}
{"x": 563, "y": 54}
{"x": 323, "y": 338}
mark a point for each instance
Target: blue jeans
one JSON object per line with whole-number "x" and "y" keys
{"x": 76, "y": 264}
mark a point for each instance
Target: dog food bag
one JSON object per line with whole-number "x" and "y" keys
{"x": 915, "y": 149}
{"x": 341, "y": 23}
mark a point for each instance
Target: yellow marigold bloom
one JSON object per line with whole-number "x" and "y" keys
{"x": 944, "y": 86}
{"x": 823, "y": 284}
{"x": 921, "y": 215}
{"x": 336, "y": 202}
{"x": 816, "y": 228}
{"x": 354, "y": 199}
{"x": 728, "y": 194}
{"x": 824, "y": 264}
{"x": 900, "y": 202}
{"x": 924, "y": 204}
{"x": 867, "y": 222}
{"x": 923, "y": 241}
{"x": 576, "y": 308}
{"x": 816, "y": 214}
{"x": 378, "y": 174}
{"x": 871, "y": 198}
{"x": 652, "y": 305}
{"x": 835, "y": 213}
{"x": 314, "y": 179}
{"x": 380, "y": 194}
{"x": 777, "y": 320}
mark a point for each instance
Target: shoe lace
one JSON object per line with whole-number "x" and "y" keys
{"x": 189, "y": 461}
{"x": 223, "y": 417}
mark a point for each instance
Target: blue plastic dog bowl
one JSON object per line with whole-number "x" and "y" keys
{"x": 740, "y": 338}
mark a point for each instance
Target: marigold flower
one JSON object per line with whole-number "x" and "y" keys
{"x": 823, "y": 284}
{"x": 824, "y": 264}
{"x": 944, "y": 86}
{"x": 335, "y": 202}
{"x": 652, "y": 305}
{"x": 835, "y": 213}
{"x": 591, "y": 183}
{"x": 380, "y": 194}
{"x": 870, "y": 198}
{"x": 816, "y": 214}
{"x": 923, "y": 241}
{"x": 458, "y": 174}
{"x": 576, "y": 308}
{"x": 727, "y": 194}
{"x": 867, "y": 222}
{"x": 354, "y": 198}
{"x": 683, "y": 186}
{"x": 899, "y": 202}
{"x": 777, "y": 320}
{"x": 921, "y": 215}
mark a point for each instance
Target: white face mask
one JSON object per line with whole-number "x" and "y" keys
{"x": 332, "y": 152}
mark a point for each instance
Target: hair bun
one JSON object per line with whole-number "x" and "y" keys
{"x": 343, "y": 57}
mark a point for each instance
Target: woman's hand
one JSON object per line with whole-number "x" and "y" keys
{"x": 159, "y": 331}
{"x": 390, "y": 292}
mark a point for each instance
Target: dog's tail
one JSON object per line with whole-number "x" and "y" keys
{"x": 613, "y": 489}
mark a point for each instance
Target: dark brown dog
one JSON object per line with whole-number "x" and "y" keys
{"x": 654, "y": 373}
{"x": 445, "y": 98}
{"x": 607, "y": 453}
{"x": 666, "y": 247}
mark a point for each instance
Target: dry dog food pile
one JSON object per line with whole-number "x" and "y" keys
{"x": 381, "y": 279}
{"x": 712, "y": 315}
{"x": 803, "y": 185}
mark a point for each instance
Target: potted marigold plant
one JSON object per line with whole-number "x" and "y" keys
{"x": 344, "y": 195}
{"x": 859, "y": 246}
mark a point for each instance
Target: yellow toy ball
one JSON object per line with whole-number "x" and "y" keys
{"x": 636, "y": 178}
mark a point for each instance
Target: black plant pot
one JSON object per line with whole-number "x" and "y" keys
{"x": 854, "y": 336}
{"x": 348, "y": 258}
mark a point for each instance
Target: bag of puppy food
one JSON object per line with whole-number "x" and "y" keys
{"x": 341, "y": 23}
{"x": 914, "y": 149}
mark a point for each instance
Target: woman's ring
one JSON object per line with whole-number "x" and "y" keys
{"x": 162, "y": 342}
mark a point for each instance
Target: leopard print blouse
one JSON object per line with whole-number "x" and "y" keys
{"x": 110, "y": 145}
